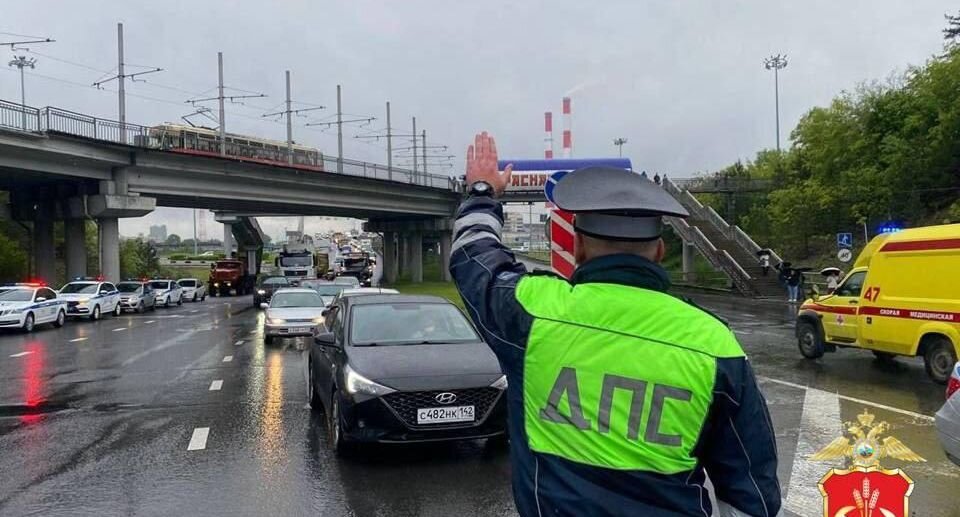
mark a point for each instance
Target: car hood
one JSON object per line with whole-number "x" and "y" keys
{"x": 295, "y": 313}
{"x": 13, "y": 305}
{"x": 427, "y": 367}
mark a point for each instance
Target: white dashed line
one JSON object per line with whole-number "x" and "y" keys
{"x": 78, "y": 339}
{"x": 150, "y": 321}
{"x": 194, "y": 312}
{"x": 253, "y": 332}
{"x": 228, "y": 358}
{"x": 119, "y": 329}
{"x": 198, "y": 441}
{"x": 21, "y": 354}
{"x": 216, "y": 385}
{"x": 238, "y": 343}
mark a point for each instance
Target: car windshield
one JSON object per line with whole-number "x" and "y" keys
{"x": 328, "y": 289}
{"x": 187, "y": 283}
{"x": 296, "y": 261}
{"x": 409, "y": 324}
{"x": 79, "y": 289}
{"x": 16, "y": 295}
{"x": 298, "y": 299}
{"x": 276, "y": 280}
{"x": 160, "y": 284}
{"x": 124, "y": 287}
{"x": 347, "y": 280}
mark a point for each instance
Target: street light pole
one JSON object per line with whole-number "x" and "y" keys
{"x": 22, "y": 62}
{"x": 619, "y": 143}
{"x": 776, "y": 63}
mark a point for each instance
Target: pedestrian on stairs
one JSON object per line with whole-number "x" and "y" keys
{"x": 794, "y": 280}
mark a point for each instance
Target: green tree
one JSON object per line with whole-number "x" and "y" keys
{"x": 13, "y": 260}
{"x": 173, "y": 240}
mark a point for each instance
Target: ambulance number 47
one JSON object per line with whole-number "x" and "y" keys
{"x": 871, "y": 294}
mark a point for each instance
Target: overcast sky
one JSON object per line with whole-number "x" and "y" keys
{"x": 683, "y": 81}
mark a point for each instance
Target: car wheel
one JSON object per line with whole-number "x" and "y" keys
{"x": 194, "y": 297}
{"x": 204, "y": 297}
{"x": 267, "y": 340}
{"x": 809, "y": 340}
{"x": 28, "y": 323}
{"x": 885, "y": 357}
{"x": 166, "y": 302}
{"x": 180, "y": 300}
{"x": 335, "y": 438}
{"x": 61, "y": 319}
{"x": 95, "y": 315}
{"x": 140, "y": 307}
{"x": 118, "y": 310}
{"x": 939, "y": 360}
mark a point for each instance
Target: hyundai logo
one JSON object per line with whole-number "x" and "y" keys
{"x": 445, "y": 398}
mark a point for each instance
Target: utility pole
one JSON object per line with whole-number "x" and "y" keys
{"x": 221, "y": 98}
{"x": 619, "y": 143}
{"x": 414, "y": 148}
{"x": 22, "y": 62}
{"x": 121, "y": 78}
{"x": 776, "y": 63}
{"x": 289, "y": 112}
{"x": 195, "y": 248}
{"x": 389, "y": 145}
{"x": 339, "y": 123}
{"x": 424, "y": 140}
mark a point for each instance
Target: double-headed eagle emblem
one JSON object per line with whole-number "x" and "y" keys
{"x": 865, "y": 447}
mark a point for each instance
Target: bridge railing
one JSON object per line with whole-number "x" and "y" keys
{"x": 51, "y": 119}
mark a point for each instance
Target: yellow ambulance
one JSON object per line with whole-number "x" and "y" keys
{"x": 902, "y": 297}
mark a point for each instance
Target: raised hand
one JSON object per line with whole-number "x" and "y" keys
{"x": 482, "y": 164}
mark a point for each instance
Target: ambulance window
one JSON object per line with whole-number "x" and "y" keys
{"x": 853, "y": 285}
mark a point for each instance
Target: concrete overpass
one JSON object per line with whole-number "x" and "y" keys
{"x": 60, "y": 165}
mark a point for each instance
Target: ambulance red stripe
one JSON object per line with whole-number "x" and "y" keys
{"x": 937, "y": 244}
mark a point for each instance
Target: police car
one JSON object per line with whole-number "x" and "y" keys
{"x": 24, "y": 306}
{"x": 91, "y": 298}
{"x": 167, "y": 292}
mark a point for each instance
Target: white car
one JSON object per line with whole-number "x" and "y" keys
{"x": 24, "y": 306}
{"x": 292, "y": 311}
{"x": 91, "y": 298}
{"x": 167, "y": 292}
{"x": 193, "y": 289}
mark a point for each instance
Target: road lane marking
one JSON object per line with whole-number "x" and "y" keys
{"x": 150, "y": 321}
{"x": 198, "y": 441}
{"x": 238, "y": 343}
{"x": 216, "y": 385}
{"x": 119, "y": 329}
{"x": 252, "y": 332}
{"x": 176, "y": 340}
{"x": 853, "y": 399}
{"x": 21, "y": 354}
{"x": 78, "y": 339}
{"x": 194, "y": 312}
{"x": 228, "y": 358}
{"x": 819, "y": 424}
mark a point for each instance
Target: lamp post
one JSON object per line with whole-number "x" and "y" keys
{"x": 776, "y": 63}
{"x": 619, "y": 143}
{"x": 22, "y": 62}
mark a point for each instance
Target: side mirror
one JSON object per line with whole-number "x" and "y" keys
{"x": 325, "y": 339}
{"x": 324, "y": 312}
{"x": 40, "y": 299}
{"x": 264, "y": 305}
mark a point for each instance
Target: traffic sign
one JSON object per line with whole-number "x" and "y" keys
{"x": 845, "y": 240}
{"x": 844, "y": 255}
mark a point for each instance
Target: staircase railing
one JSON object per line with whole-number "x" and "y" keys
{"x": 719, "y": 259}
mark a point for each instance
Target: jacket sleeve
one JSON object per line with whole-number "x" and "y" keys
{"x": 738, "y": 448}
{"x": 486, "y": 274}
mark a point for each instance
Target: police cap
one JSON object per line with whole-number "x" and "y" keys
{"x": 615, "y": 204}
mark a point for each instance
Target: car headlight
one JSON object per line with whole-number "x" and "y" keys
{"x": 83, "y": 300}
{"x": 16, "y": 311}
{"x": 216, "y": 284}
{"x": 276, "y": 321}
{"x": 358, "y": 384}
{"x": 501, "y": 383}
{"x": 319, "y": 320}
{"x": 261, "y": 291}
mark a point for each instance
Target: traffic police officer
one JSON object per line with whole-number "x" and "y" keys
{"x": 622, "y": 398}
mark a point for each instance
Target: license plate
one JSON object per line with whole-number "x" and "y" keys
{"x": 299, "y": 330}
{"x": 436, "y": 415}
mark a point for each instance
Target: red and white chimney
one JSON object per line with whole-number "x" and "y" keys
{"x": 567, "y": 137}
{"x": 548, "y": 135}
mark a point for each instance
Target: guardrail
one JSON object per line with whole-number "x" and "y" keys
{"x": 50, "y": 119}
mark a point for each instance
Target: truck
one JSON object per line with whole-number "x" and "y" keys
{"x": 231, "y": 275}
{"x": 357, "y": 264}
{"x": 296, "y": 261}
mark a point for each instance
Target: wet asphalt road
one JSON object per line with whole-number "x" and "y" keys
{"x": 97, "y": 419}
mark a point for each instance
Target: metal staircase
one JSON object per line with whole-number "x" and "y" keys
{"x": 727, "y": 247}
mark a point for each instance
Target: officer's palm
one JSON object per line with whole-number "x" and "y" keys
{"x": 482, "y": 164}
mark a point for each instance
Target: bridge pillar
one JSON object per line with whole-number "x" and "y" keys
{"x": 109, "y": 248}
{"x": 688, "y": 270}
{"x": 390, "y": 258}
{"x": 75, "y": 244}
{"x": 415, "y": 242}
{"x": 403, "y": 240}
{"x": 227, "y": 239}
{"x": 44, "y": 253}
{"x": 445, "y": 243}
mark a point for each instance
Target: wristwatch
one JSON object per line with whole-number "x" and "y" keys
{"x": 481, "y": 188}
